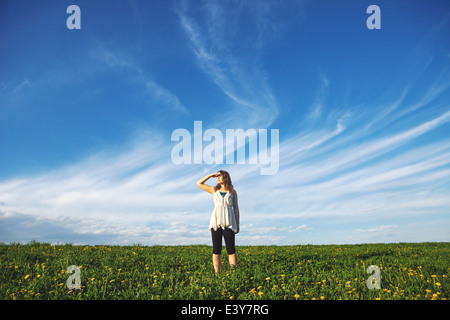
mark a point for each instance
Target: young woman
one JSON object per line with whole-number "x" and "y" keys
{"x": 224, "y": 220}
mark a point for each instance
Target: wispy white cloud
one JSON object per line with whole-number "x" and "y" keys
{"x": 124, "y": 192}
{"x": 242, "y": 80}
{"x": 22, "y": 91}
{"x": 157, "y": 93}
{"x": 319, "y": 104}
{"x": 346, "y": 170}
{"x": 425, "y": 231}
{"x": 133, "y": 193}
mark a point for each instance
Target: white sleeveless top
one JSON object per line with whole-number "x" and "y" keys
{"x": 223, "y": 214}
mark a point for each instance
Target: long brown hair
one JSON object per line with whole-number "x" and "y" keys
{"x": 226, "y": 181}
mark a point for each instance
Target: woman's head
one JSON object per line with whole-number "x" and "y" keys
{"x": 224, "y": 179}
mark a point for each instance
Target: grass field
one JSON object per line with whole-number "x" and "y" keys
{"x": 408, "y": 271}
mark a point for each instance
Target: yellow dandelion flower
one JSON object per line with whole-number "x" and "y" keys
{"x": 27, "y": 276}
{"x": 260, "y": 293}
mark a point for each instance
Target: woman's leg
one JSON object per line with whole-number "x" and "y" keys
{"x": 232, "y": 258}
{"x": 217, "y": 248}
{"x": 229, "y": 236}
{"x": 216, "y": 263}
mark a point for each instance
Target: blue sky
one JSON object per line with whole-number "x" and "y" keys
{"x": 86, "y": 118}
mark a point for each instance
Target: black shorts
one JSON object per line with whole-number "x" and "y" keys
{"x": 228, "y": 235}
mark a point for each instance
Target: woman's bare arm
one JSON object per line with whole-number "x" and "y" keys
{"x": 236, "y": 208}
{"x": 201, "y": 183}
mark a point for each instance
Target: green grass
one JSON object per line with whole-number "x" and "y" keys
{"x": 408, "y": 271}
